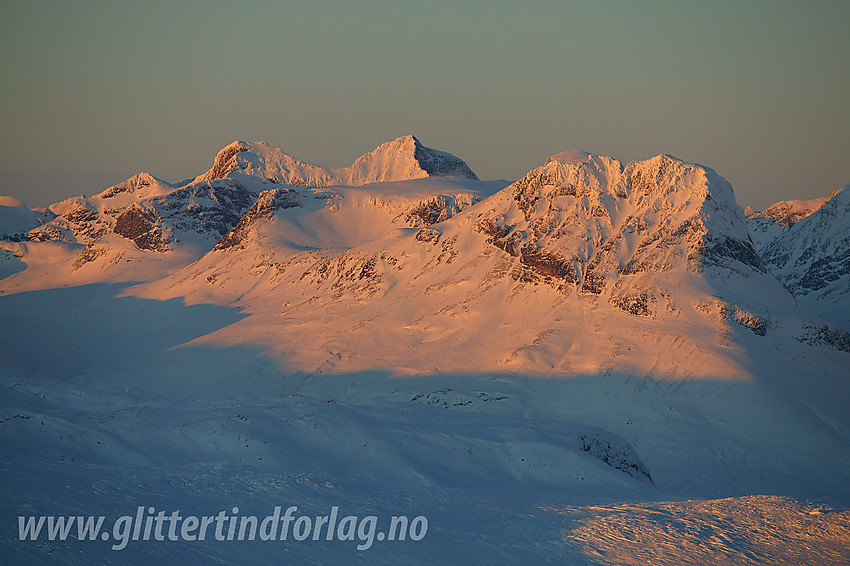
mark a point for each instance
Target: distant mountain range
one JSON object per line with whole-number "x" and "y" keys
{"x": 584, "y": 264}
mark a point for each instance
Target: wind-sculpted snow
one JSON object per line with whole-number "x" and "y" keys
{"x": 745, "y": 531}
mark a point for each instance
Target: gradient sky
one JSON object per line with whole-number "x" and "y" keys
{"x": 94, "y": 92}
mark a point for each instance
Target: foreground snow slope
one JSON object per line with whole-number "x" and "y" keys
{"x": 119, "y": 402}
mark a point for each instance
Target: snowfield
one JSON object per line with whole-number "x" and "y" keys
{"x": 592, "y": 365}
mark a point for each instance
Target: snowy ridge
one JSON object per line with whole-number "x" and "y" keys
{"x": 144, "y": 215}
{"x": 402, "y": 159}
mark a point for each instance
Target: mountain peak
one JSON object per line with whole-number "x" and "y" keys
{"x": 569, "y": 157}
{"x": 406, "y": 158}
{"x": 224, "y": 161}
{"x": 788, "y": 212}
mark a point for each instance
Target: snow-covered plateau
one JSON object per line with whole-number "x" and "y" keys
{"x": 600, "y": 363}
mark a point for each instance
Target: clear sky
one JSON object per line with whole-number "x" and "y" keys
{"x": 93, "y": 92}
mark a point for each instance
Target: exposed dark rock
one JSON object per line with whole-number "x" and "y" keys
{"x": 49, "y": 233}
{"x": 638, "y": 304}
{"x": 594, "y": 274}
{"x": 224, "y": 162}
{"x": 451, "y": 399}
{"x": 141, "y": 227}
{"x": 428, "y": 235}
{"x": 441, "y": 164}
{"x": 547, "y": 264}
{"x": 267, "y": 204}
{"x": 718, "y": 251}
{"x": 498, "y": 235}
{"x": 825, "y": 335}
{"x": 88, "y": 255}
{"x": 229, "y": 202}
{"x": 80, "y": 215}
{"x": 615, "y": 452}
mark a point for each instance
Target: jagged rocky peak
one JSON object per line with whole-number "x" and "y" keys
{"x": 812, "y": 257}
{"x": 225, "y": 161}
{"x": 402, "y": 159}
{"x": 434, "y": 162}
{"x": 602, "y": 187}
{"x": 259, "y": 159}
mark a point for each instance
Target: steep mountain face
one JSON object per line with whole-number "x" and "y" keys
{"x": 812, "y": 258}
{"x": 768, "y": 224}
{"x": 614, "y": 231}
{"x": 140, "y": 229}
{"x": 585, "y": 265}
{"x": 398, "y": 160}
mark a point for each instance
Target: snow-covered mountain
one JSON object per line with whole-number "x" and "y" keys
{"x": 158, "y": 227}
{"x": 812, "y": 258}
{"x": 398, "y": 160}
{"x": 768, "y": 224}
{"x": 638, "y": 253}
{"x": 541, "y": 365}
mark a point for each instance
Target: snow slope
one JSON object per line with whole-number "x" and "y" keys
{"x": 16, "y": 218}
